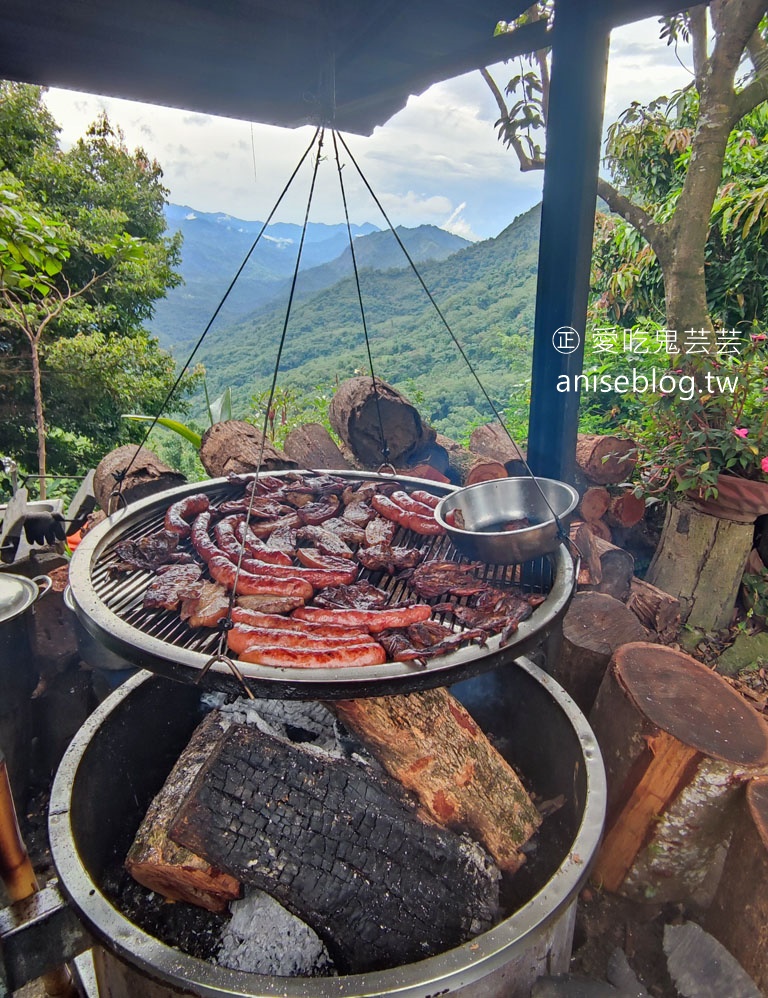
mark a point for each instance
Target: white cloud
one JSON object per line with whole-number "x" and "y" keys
{"x": 439, "y": 152}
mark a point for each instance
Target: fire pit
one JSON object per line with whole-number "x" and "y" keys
{"x": 123, "y": 753}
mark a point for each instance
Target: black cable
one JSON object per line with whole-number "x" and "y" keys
{"x": 384, "y": 448}
{"x": 319, "y": 135}
{"x": 227, "y": 293}
{"x": 488, "y": 399}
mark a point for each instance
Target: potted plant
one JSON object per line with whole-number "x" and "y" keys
{"x": 705, "y": 438}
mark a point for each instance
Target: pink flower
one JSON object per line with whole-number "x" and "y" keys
{"x": 740, "y": 432}
{"x": 764, "y": 465}
{"x": 758, "y": 337}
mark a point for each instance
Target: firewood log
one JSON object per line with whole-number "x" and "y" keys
{"x": 312, "y": 446}
{"x": 492, "y": 441}
{"x": 138, "y": 476}
{"x": 340, "y": 846}
{"x": 425, "y": 471}
{"x": 593, "y": 628}
{"x": 677, "y": 741}
{"x": 430, "y": 743}
{"x": 358, "y": 414}
{"x": 610, "y": 569}
{"x": 235, "y": 447}
{"x": 155, "y": 860}
{"x": 483, "y": 470}
{"x": 738, "y": 915}
{"x": 625, "y": 510}
{"x": 605, "y": 460}
{"x": 594, "y": 503}
{"x": 655, "y": 609}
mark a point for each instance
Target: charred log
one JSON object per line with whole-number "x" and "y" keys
{"x": 340, "y": 847}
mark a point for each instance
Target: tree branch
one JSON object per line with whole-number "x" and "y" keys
{"x": 637, "y": 217}
{"x": 497, "y": 94}
{"x": 758, "y": 53}
{"x": 527, "y": 163}
{"x": 750, "y": 97}
{"x": 698, "y": 26}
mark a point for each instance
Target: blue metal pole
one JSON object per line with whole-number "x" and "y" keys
{"x": 577, "y": 96}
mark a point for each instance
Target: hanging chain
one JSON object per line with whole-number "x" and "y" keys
{"x": 562, "y": 533}
{"x": 377, "y": 401}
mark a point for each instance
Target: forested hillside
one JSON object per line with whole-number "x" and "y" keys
{"x": 215, "y": 245}
{"x": 486, "y": 292}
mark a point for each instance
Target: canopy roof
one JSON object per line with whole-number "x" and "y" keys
{"x": 347, "y": 63}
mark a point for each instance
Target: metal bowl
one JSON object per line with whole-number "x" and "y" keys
{"x": 490, "y": 505}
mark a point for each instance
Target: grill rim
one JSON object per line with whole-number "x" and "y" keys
{"x": 182, "y": 664}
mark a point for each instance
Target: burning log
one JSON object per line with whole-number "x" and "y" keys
{"x": 161, "y": 865}
{"x": 354, "y": 414}
{"x": 677, "y": 741}
{"x": 235, "y": 447}
{"x": 138, "y": 476}
{"x": 312, "y": 446}
{"x": 605, "y": 460}
{"x": 430, "y": 743}
{"x": 738, "y": 916}
{"x": 594, "y": 627}
{"x": 340, "y": 847}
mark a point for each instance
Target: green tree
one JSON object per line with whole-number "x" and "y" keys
{"x": 647, "y": 144}
{"x": 34, "y": 294}
{"x": 74, "y": 350}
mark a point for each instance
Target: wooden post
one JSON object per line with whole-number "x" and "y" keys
{"x": 738, "y": 916}
{"x": 700, "y": 560}
{"x": 594, "y": 627}
{"x": 677, "y": 740}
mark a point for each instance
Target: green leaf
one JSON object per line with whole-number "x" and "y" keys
{"x": 169, "y": 424}
{"x": 221, "y": 408}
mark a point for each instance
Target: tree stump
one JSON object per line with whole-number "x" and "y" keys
{"x": 605, "y": 460}
{"x": 430, "y": 743}
{"x": 700, "y": 560}
{"x": 677, "y": 741}
{"x": 311, "y": 446}
{"x": 354, "y": 414}
{"x": 234, "y": 447}
{"x": 593, "y": 628}
{"x": 155, "y": 860}
{"x": 144, "y": 477}
{"x": 738, "y": 916}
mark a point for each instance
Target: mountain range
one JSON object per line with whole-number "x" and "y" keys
{"x": 216, "y": 245}
{"x": 485, "y": 292}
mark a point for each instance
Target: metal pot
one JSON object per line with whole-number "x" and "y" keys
{"x": 124, "y": 751}
{"x": 18, "y": 675}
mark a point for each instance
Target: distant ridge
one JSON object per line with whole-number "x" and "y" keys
{"x": 486, "y": 290}
{"x": 215, "y": 245}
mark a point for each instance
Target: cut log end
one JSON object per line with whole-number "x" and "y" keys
{"x": 691, "y": 703}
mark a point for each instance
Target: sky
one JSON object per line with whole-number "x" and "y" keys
{"x": 438, "y": 161}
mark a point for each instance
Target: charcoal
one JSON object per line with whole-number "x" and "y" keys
{"x": 340, "y": 847}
